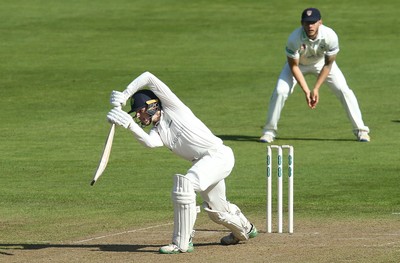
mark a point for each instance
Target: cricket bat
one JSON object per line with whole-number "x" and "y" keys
{"x": 105, "y": 156}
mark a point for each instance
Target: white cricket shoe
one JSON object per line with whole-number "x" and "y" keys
{"x": 232, "y": 240}
{"x": 267, "y": 137}
{"x": 174, "y": 249}
{"x": 363, "y": 136}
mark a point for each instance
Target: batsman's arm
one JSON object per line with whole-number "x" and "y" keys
{"x": 151, "y": 140}
{"x": 160, "y": 89}
{"x": 118, "y": 98}
{"x": 122, "y": 118}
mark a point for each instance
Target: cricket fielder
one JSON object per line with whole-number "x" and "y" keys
{"x": 175, "y": 126}
{"x": 312, "y": 49}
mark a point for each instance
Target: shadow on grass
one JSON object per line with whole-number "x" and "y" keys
{"x": 255, "y": 138}
{"x": 238, "y": 138}
{"x": 317, "y": 139}
{"x": 100, "y": 247}
{"x": 7, "y": 248}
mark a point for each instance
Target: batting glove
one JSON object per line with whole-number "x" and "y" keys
{"x": 120, "y": 117}
{"x": 118, "y": 99}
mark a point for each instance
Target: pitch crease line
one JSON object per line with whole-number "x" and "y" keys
{"x": 121, "y": 233}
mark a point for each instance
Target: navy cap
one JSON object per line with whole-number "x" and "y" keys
{"x": 141, "y": 99}
{"x": 310, "y": 15}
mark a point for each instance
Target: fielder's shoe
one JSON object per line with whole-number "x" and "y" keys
{"x": 363, "y": 136}
{"x": 232, "y": 240}
{"x": 174, "y": 249}
{"x": 268, "y": 138}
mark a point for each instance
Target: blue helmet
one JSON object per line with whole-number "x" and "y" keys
{"x": 145, "y": 98}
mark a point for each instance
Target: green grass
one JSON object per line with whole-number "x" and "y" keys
{"x": 61, "y": 60}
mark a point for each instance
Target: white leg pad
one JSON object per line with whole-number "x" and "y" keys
{"x": 233, "y": 219}
{"x": 184, "y": 199}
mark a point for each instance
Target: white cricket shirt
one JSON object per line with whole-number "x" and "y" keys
{"x": 179, "y": 129}
{"x": 299, "y": 46}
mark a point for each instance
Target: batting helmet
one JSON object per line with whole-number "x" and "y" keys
{"x": 143, "y": 98}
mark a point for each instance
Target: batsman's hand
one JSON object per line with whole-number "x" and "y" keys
{"x": 120, "y": 117}
{"x": 118, "y": 99}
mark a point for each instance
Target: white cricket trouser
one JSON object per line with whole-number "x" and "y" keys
{"x": 207, "y": 176}
{"x": 336, "y": 82}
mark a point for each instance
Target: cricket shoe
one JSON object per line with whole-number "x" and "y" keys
{"x": 268, "y": 138}
{"x": 232, "y": 240}
{"x": 363, "y": 136}
{"x": 174, "y": 249}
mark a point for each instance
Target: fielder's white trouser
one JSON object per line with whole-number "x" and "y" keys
{"x": 207, "y": 176}
{"x": 336, "y": 82}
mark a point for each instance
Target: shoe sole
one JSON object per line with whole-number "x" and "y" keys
{"x": 190, "y": 250}
{"x": 253, "y": 234}
{"x": 265, "y": 141}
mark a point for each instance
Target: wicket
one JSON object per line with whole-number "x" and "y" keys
{"x": 280, "y": 187}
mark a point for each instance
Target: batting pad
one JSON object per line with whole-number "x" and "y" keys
{"x": 233, "y": 219}
{"x": 184, "y": 199}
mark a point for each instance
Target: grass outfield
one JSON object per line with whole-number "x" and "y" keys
{"x": 60, "y": 62}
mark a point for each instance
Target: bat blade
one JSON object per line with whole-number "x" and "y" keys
{"x": 105, "y": 156}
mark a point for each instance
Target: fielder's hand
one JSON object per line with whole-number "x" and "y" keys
{"x": 120, "y": 117}
{"x": 118, "y": 99}
{"x": 314, "y": 98}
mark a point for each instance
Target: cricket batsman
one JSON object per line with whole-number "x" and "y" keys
{"x": 175, "y": 126}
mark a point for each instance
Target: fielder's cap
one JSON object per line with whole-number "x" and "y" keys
{"x": 310, "y": 15}
{"x": 141, "y": 99}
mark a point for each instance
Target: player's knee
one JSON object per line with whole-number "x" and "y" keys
{"x": 183, "y": 191}
{"x": 214, "y": 215}
{"x": 282, "y": 90}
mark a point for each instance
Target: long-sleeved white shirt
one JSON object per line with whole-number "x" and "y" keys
{"x": 179, "y": 129}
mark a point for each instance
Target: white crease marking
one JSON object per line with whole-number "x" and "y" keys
{"x": 120, "y": 233}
